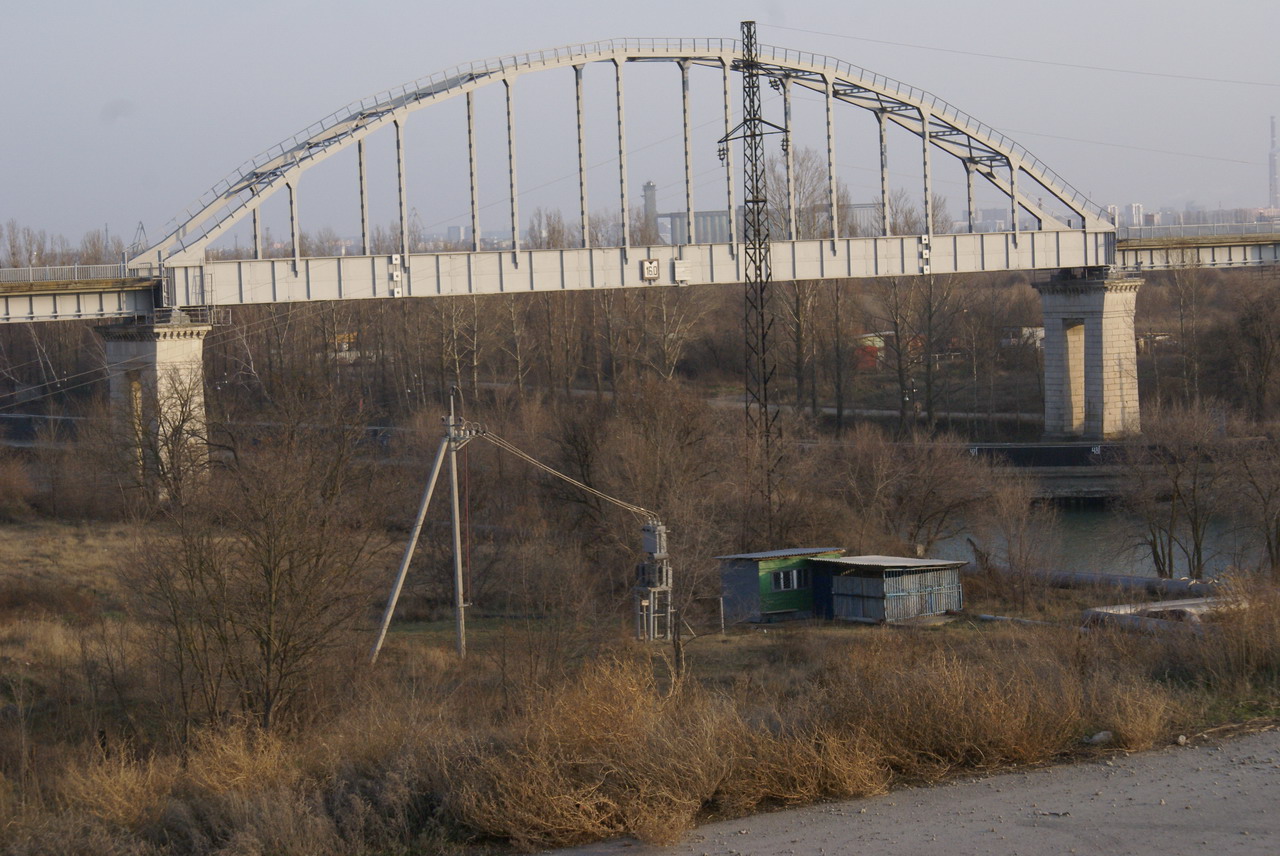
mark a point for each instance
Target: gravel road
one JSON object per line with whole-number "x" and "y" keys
{"x": 1214, "y": 797}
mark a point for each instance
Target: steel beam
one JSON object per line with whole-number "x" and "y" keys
{"x": 1013, "y": 199}
{"x": 728, "y": 158}
{"x": 970, "y": 204}
{"x": 928, "y": 171}
{"x": 294, "y": 236}
{"x": 257, "y": 234}
{"x": 831, "y": 162}
{"x": 400, "y": 183}
{"x": 364, "y": 200}
{"x": 789, "y": 160}
{"x": 471, "y": 165}
{"x": 622, "y": 156}
{"x": 690, "y": 235}
{"x": 584, "y": 217}
{"x": 511, "y": 168}
{"x": 884, "y": 175}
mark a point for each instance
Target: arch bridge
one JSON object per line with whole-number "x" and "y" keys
{"x": 1050, "y": 226}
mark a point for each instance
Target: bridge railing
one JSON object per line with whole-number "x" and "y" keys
{"x": 1203, "y": 230}
{"x": 65, "y": 273}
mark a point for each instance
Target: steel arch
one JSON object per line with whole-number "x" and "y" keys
{"x": 982, "y": 149}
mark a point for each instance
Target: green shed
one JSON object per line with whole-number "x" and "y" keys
{"x": 770, "y": 586}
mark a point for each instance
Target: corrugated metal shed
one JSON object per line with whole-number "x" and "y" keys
{"x": 782, "y": 554}
{"x": 884, "y": 588}
{"x": 889, "y": 562}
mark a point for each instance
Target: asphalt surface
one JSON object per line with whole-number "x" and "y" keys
{"x": 1212, "y": 796}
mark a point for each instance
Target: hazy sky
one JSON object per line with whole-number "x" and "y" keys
{"x": 127, "y": 111}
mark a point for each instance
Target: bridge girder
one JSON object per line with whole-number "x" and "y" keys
{"x": 917, "y": 111}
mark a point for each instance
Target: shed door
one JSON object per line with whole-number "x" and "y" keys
{"x": 855, "y": 598}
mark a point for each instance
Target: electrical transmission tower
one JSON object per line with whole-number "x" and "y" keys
{"x": 761, "y": 420}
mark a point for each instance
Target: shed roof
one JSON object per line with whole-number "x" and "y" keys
{"x": 789, "y": 553}
{"x": 889, "y": 563}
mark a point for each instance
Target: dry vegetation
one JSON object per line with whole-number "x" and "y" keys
{"x": 430, "y": 755}
{"x": 152, "y": 703}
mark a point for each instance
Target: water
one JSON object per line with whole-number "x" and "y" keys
{"x": 1104, "y": 540}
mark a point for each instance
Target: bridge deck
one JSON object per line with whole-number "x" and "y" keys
{"x": 35, "y": 294}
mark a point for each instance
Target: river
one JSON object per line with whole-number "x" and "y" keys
{"x": 1100, "y": 539}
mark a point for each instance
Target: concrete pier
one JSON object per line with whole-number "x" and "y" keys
{"x": 156, "y": 377}
{"x": 1090, "y": 355}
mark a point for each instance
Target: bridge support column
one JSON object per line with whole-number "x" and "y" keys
{"x": 156, "y": 377}
{"x": 1090, "y": 355}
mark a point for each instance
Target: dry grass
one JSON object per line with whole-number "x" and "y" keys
{"x": 16, "y": 489}
{"x": 429, "y": 755}
{"x": 83, "y": 557}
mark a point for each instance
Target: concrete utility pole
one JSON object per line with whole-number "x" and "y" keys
{"x": 457, "y": 434}
{"x": 456, "y": 438}
{"x": 651, "y": 592}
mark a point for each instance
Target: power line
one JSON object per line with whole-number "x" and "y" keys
{"x": 1029, "y": 60}
{"x": 1136, "y": 148}
{"x": 815, "y": 100}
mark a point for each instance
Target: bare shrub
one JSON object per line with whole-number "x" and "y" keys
{"x": 1240, "y": 651}
{"x": 802, "y": 761}
{"x": 1137, "y": 712}
{"x": 611, "y": 753}
{"x": 121, "y": 791}
{"x": 258, "y": 590}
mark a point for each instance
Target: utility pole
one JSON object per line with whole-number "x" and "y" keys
{"x": 458, "y": 432}
{"x": 761, "y": 420}
{"x": 652, "y": 591}
{"x": 456, "y": 437}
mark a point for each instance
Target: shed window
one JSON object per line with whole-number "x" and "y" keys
{"x": 795, "y": 578}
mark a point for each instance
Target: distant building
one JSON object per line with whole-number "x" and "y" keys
{"x": 1022, "y": 337}
{"x": 869, "y": 351}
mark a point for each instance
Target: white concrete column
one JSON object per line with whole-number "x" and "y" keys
{"x": 156, "y": 378}
{"x": 1090, "y": 355}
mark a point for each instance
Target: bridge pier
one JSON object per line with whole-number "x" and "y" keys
{"x": 156, "y": 381}
{"x": 1090, "y": 354}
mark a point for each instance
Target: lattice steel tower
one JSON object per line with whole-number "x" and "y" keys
{"x": 762, "y": 424}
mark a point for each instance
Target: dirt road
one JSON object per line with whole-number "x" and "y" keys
{"x": 1211, "y": 798}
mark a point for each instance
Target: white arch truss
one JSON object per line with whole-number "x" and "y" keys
{"x": 984, "y": 151}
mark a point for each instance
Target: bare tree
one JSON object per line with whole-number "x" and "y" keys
{"x": 1016, "y": 529}
{"x": 1174, "y": 486}
{"x": 919, "y": 489}
{"x": 268, "y": 575}
{"x": 1253, "y": 344}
